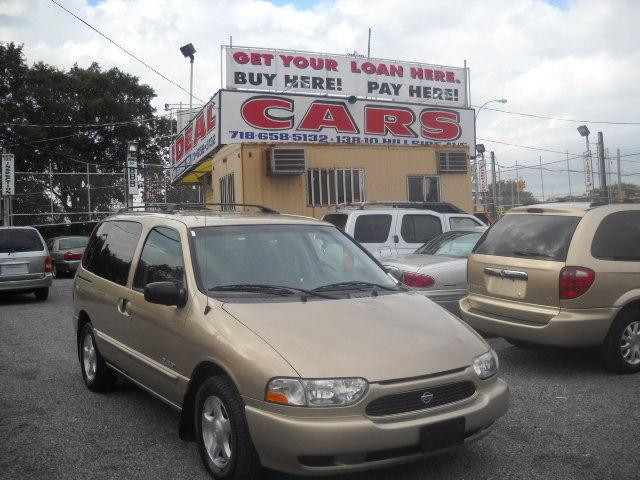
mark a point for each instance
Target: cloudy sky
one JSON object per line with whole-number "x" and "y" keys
{"x": 557, "y": 58}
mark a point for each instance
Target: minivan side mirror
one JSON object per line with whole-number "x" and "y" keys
{"x": 166, "y": 293}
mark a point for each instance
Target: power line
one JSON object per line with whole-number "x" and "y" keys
{"x": 85, "y": 125}
{"x": 522, "y": 114}
{"x": 125, "y": 50}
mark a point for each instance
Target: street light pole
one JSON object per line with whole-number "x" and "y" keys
{"x": 188, "y": 51}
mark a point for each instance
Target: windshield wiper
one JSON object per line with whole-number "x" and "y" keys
{"x": 354, "y": 284}
{"x": 531, "y": 254}
{"x": 268, "y": 289}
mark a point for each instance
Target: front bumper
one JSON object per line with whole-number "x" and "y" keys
{"x": 305, "y": 445}
{"x": 570, "y": 328}
{"x": 42, "y": 281}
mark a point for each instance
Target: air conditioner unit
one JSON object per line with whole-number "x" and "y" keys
{"x": 454, "y": 162}
{"x": 287, "y": 161}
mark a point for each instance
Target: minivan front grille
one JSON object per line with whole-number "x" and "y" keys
{"x": 424, "y": 398}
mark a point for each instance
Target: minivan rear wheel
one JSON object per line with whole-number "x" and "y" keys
{"x": 97, "y": 376}
{"x": 621, "y": 349}
{"x": 222, "y": 432}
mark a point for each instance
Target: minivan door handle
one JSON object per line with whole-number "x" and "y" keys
{"x": 504, "y": 273}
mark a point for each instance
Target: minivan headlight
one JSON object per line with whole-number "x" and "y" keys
{"x": 329, "y": 392}
{"x": 486, "y": 365}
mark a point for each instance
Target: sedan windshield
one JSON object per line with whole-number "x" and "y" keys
{"x": 452, "y": 244}
{"x": 256, "y": 258}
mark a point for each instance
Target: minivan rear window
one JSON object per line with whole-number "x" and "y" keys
{"x": 539, "y": 237}
{"x": 618, "y": 237}
{"x": 20, "y": 240}
{"x": 338, "y": 219}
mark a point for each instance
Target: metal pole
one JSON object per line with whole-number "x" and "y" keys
{"x": 541, "y": 178}
{"x": 475, "y": 180}
{"x": 603, "y": 170}
{"x": 499, "y": 189}
{"x": 517, "y": 186}
{"x": 191, "y": 88}
{"x": 6, "y": 202}
{"x": 51, "y": 189}
{"x": 369, "y": 44}
{"x": 494, "y": 208}
{"x": 568, "y": 173}
{"x": 126, "y": 183}
{"x": 512, "y": 194}
{"x": 88, "y": 193}
{"x": 619, "y": 176}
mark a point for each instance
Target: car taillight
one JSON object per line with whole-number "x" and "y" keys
{"x": 575, "y": 281}
{"x": 47, "y": 265}
{"x": 417, "y": 280}
{"x": 72, "y": 256}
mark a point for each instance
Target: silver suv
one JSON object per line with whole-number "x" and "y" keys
{"x": 25, "y": 265}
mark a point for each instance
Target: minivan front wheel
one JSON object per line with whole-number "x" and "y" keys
{"x": 222, "y": 433}
{"x": 621, "y": 349}
{"x": 97, "y": 376}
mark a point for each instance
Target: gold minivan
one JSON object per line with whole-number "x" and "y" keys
{"x": 565, "y": 274}
{"x": 283, "y": 343}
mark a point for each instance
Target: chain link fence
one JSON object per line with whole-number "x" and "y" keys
{"x": 71, "y": 195}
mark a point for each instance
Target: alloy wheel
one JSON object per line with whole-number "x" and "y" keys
{"x": 89, "y": 358}
{"x": 216, "y": 431}
{"x": 630, "y": 343}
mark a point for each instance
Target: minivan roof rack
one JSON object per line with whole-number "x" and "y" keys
{"x": 172, "y": 207}
{"x": 440, "y": 207}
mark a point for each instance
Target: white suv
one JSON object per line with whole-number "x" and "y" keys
{"x": 395, "y": 228}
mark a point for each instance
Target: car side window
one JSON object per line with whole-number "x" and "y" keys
{"x": 111, "y": 248}
{"x": 618, "y": 237}
{"x": 419, "y": 228}
{"x": 460, "y": 223}
{"x": 161, "y": 259}
{"x": 372, "y": 228}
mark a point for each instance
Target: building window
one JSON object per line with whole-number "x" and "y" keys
{"x": 334, "y": 186}
{"x": 227, "y": 191}
{"x": 423, "y": 188}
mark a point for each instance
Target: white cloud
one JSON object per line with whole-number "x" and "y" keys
{"x": 580, "y": 61}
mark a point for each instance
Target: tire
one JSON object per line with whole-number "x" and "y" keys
{"x": 236, "y": 458}
{"x": 621, "y": 349}
{"x": 42, "y": 294}
{"x": 97, "y": 376}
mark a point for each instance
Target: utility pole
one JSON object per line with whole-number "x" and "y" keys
{"x": 517, "y": 187}
{"x": 569, "y": 174}
{"x": 603, "y": 169}
{"x": 541, "y": 178}
{"x": 619, "y": 176}
{"x": 494, "y": 198}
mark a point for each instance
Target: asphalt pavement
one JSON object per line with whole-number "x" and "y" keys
{"x": 569, "y": 418}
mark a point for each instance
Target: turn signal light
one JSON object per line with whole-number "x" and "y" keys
{"x": 416, "y": 280}
{"x": 575, "y": 281}
{"x": 47, "y": 265}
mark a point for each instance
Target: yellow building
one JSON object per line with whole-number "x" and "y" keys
{"x": 321, "y": 175}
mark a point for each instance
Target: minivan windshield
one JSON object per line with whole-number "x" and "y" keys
{"x": 298, "y": 257}
{"x": 20, "y": 240}
{"x": 452, "y": 244}
{"x": 539, "y": 237}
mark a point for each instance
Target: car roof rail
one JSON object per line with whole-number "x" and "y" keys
{"x": 173, "y": 207}
{"x": 440, "y": 207}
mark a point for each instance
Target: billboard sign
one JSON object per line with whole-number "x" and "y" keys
{"x": 588, "y": 170}
{"x": 483, "y": 178}
{"x": 254, "y": 117}
{"x": 344, "y": 75}
{"x": 8, "y": 174}
{"x": 132, "y": 176}
{"x": 198, "y": 139}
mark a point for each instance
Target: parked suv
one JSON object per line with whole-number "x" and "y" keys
{"x": 281, "y": 341}
{"x": 396, "y": 228}
{"x": 561, "y": 274}
{"x": 25, "y": 265}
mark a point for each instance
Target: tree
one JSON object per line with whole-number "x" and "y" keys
{"x": 507, "y": 191}
{"x": 45, "y": 95}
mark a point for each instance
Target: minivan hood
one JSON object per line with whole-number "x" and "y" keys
{"x": 388, "y": 337}
{"x": 415, "y": 261}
